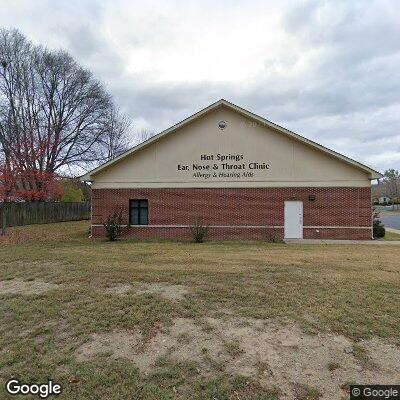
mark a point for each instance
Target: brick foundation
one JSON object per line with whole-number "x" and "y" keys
{"x": 239, "y": 213}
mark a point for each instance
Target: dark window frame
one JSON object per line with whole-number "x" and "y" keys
{"x": 139, "y": 209}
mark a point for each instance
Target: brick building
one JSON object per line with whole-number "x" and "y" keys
{"x": 243, "y": 176}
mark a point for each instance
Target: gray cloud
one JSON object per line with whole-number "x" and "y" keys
{"x": 333, "y": 75}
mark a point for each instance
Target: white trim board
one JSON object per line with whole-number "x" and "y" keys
{"x": 230, "y": 184}
{"x": 190, "y": 226}
{"x": 239, "y": 226}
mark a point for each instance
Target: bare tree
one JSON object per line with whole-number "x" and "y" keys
{"x": 116, "y": 141}
{"x": 117, "y": 127}
{"x": 53, "y": 113}
{"x": 143, "y": 135}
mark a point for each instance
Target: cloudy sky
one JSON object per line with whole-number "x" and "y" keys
{"x": 328, "y": 70}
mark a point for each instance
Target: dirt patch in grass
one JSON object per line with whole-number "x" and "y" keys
{"x": 119, "y": 288}
{"x": 164, "y": 289}
{"x": 305, "y": 392}
{"x": 176, "y": 342}
{"x": 19, "y": 286}
{"x": 277, "y": 353}
{"x": 123, "y": 344}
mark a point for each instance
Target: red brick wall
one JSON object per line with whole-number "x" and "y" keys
{"x": 249, "y": 207}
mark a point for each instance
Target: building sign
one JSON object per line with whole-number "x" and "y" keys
{"x": 223, "y": 166}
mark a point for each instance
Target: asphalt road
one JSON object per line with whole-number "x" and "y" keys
{"x": 391, "y": 221}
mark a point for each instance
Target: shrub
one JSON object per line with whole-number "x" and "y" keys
{"x": 271, "y": 238}
{"x": 113, "y": 225}
{"x": 378, "y": 227}
{"x": 199, "y": 232}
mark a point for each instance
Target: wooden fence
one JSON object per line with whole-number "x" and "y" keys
{"x": 14, "y": 214}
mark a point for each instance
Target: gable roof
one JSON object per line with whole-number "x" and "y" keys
{"x": 373, "y": 174}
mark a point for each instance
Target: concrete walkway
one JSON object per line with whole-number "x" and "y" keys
{"x": 393, "y": 230}
{"x": 332, "y": 241}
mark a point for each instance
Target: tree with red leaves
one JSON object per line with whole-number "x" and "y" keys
{"x": 19, "y": 184}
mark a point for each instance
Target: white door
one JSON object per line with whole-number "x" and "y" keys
{"x": 293, "y": 220}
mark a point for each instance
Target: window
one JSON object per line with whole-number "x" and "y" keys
{"x": 138, "y": 212}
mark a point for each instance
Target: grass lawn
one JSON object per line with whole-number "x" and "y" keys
{"x": 391, "y": 236}
{"x": 174, "y": 320}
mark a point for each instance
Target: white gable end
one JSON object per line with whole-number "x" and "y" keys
{"x": 247, "y": 153}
